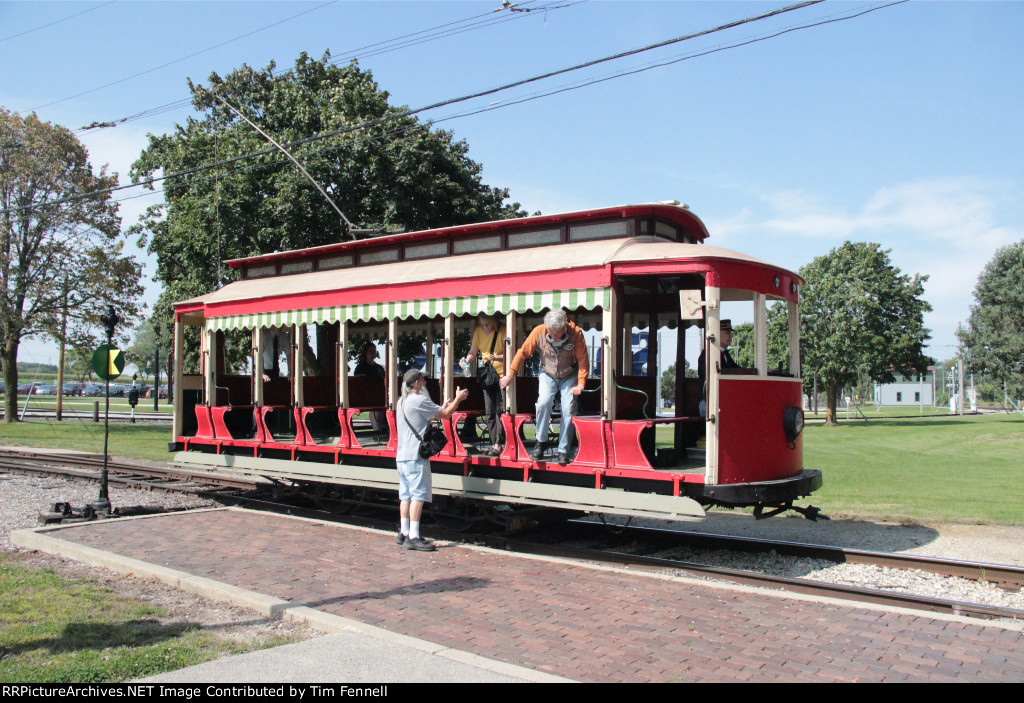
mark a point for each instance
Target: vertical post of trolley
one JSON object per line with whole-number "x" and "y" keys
{"x": 257, "y": 367}
{"x": 611, "y": 335}
{"x": 794, "y": 340}
{"x": 174, "y": 395}
{"x": 448, "y": 358}
{"x": 298, "y": 345}
{"x": 761, "y": 334}
{"x": 393, "y": 382}
{"x": 210, "y": 379}
{"x": 343, "y": 364}
{"x": 511, "y": 406}
{"x": 713, "y": 357}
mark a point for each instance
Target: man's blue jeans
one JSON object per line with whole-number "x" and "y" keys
{"x": 549, "y": 386}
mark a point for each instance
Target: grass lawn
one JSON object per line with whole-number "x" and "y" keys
{"x": 55, "y": 630}
{"x": 139, "y": 441}
{"x": 949, "y": 469}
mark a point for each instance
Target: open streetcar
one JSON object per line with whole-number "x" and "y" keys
{"x": 315, "y": 424}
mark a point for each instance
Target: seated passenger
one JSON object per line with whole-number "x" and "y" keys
{"x": 564, "y": 368}
{"x": 368, "y": 366}
{"x": 275, "y": 342}
{"x": 311, "y": 366}
{"x": 488, "y": 339}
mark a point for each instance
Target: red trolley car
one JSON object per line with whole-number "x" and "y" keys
{"x": 417, "y": 295}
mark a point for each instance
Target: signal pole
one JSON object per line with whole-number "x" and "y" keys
{"x": 102, "y": 504}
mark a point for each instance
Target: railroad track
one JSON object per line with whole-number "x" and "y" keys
{"x": 788, "y": 584}
{"x": 233, "y": 490}
{"x": 87, "y": 467}
{"x": 87, "y": 415}
{"x": 1008, "y": 577}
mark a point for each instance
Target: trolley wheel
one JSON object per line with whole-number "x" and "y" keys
{"x": 455, "y": 515}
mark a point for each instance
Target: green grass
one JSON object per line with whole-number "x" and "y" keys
{"x": 54, "y": 630}
{"x": 147, "y": 442}
{"x": 949, "y": 469}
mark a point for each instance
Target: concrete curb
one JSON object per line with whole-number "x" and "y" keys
{"x": 40, "y": 539}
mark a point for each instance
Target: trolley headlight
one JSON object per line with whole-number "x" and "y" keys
{"x": 793, "y": 423}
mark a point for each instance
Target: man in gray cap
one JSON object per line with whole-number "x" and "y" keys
{"x": 414, "y": 412}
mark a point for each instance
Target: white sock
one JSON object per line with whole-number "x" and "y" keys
{"x": 405, "y": 526}
{"x": 414, "y": 530}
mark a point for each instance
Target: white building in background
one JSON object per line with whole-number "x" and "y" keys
{"x": 914, "y": 389}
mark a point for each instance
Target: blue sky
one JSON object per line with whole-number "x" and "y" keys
{"x": 901, "y": 126}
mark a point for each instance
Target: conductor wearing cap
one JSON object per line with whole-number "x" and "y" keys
{"x": 727, "y": 363}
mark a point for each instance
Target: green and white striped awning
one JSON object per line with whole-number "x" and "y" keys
{"x": 587, "y": 298}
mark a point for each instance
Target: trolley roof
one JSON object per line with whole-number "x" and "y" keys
{"x": 670, "y": 211}
{"x": 500, "y": 264}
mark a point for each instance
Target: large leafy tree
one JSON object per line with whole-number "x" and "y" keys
{"x": 994, "y": 337}
{"x": 860, "y": 315}
{"x": 391, "y": 173}
{"x": 61, "y": 252}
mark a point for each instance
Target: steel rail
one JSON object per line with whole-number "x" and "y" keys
{"x": 788, "y": 584}
{"x": 121, "y": 473}
{"x": 1006, "y": 576}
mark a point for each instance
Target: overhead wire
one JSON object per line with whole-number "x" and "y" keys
{"x": 184, "y": 58}
{"x": 50, "y": 24}
{"x": 378, "y": 48}
{"x": 454, "y": 32}
{"x": 661, "y": 63}
{"x": 410, "y": 112}
{"x": 355, "y": 53}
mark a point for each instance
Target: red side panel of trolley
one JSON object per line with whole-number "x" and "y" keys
{"x": 751, "y": 437}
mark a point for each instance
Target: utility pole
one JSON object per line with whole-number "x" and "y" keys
{"x": 960, "y": 374}
{"x": 63, "y": 336}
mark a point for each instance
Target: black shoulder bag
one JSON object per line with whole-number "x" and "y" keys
{"x": 486, "y": 376}
{"x": 433, "y": 439}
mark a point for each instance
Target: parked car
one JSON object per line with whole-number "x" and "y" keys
{"x": 73, "y": 388}
{"x": 45, "y": 389}
{"x": 92, "y": 390}
{"x": 24, "y": 388}
{"x": 162, "y": 392}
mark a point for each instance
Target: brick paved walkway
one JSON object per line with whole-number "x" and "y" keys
{"x": 581, "y": 623}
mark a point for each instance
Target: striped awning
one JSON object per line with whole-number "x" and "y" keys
{"x": 587, "y": 298}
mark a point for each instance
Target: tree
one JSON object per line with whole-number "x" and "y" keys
{"x": 79, "y": 364}
{"x": 743, "y": 344}
{"x": 392, "y": 173}
{"x": 142, "y": 353}
{"x": 994, "y": 338}
{"x": 668, "y": 382}
{"x": 860, "y": 315}
{"x": 61, "y": 256}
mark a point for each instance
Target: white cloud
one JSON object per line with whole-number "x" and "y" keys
{"x": 961, "y": 211}
{"x": 945, "y": 228}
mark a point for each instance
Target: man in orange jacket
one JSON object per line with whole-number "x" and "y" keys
{"x": 564, "y": 368}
